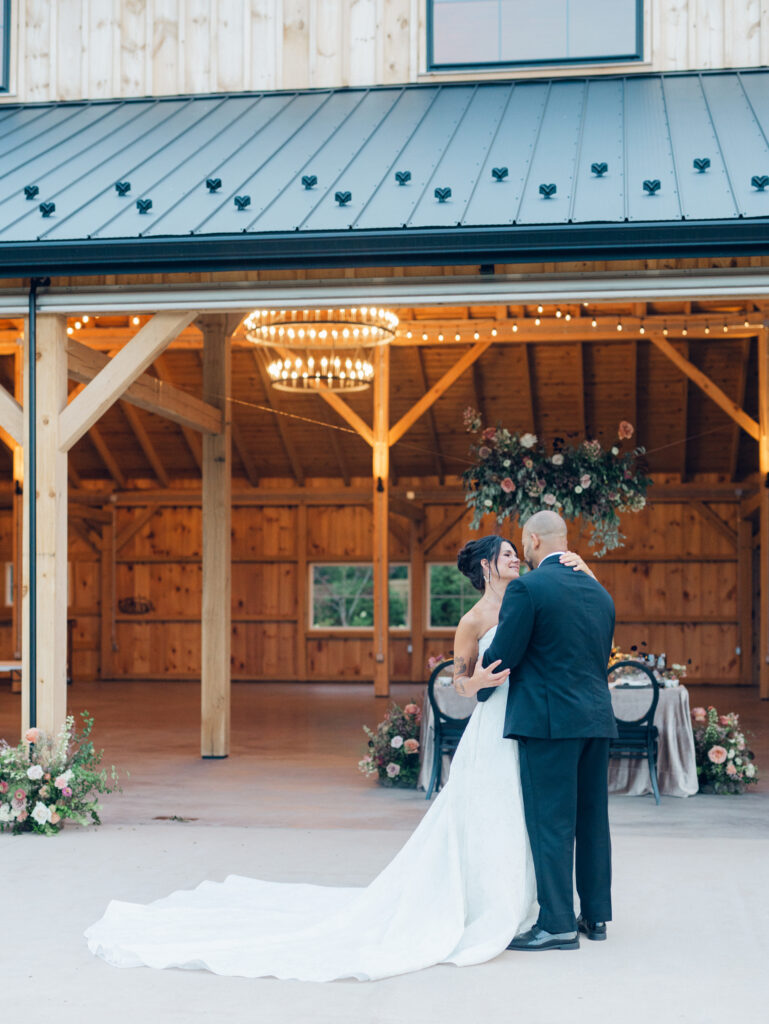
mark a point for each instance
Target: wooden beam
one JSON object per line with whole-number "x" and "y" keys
{"x": 702, "y": 381}
{"x": 107, "y": 600}
{"x": 418, "y": 601}
{"x": 145, "y": 443}
{"x": 715, "y": 520}
{"x": 745, "y": 598}
{"x": 399, "y": 532}
{"x": 11, "y": 419}
{"x": 348, "y": 414}
{"x": 191, "y": 436}
{"x": 381, "y": 487}
{"x": 105, "y": 453}
{"x": 438, "y": 532}
{"x": 117, "y": 376}
{"x": 50, "y": 495}
{"x": 153, "y": 394}
{"x": 302, "y": 593}
{"x": 87, "y": 536}
{"x": 763, "y": 464}
{"x": 92, "y": 512}
{"x": 137, "y": 523}
{"x": 216, "y": 633}
{"x": 742, "y": 384}
{"x": 440, "y": 467}
{"x": 435, "y": 392}
{"x": 684, "y": 446}
{"x": 238, "y": 441}
{"x": 407, "y": 509}
{"x": 280, "y": 421}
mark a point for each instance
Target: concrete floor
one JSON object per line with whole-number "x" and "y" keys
{"x": 688, "y": 944}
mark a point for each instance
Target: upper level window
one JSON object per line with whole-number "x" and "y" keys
{"x": 342, "y": 596}
{"x": 5, "y": 44}
{"x": 473, "y": 33}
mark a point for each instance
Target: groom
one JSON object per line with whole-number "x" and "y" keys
{"x": 554, "y": 635}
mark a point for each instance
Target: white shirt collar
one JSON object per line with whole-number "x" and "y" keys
{"x": 553, "y": 554}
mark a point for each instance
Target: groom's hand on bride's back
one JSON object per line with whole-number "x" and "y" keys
{"x": 485, "y": 679}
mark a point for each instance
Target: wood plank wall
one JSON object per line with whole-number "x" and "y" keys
{"x": 74, "y": 49}
{"x": 675, "y": 585}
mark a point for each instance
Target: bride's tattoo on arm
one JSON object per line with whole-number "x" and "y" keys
{"x": 460, "y": 675}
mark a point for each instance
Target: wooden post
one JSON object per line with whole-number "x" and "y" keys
{"x": 381, "y": 472}
{"x": 745, "y": 598}
{"x": 763, "y": 464}
{"x": 18, "y": 514}
{"x": 216, "y": 629}
{"x": 417, "y": 558}
{"x": 107, "y": 599}
{"x": 51, "y": 501}
{"x": 302, "y": 590}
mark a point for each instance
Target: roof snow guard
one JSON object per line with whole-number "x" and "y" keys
{"x": 583, "y": 168}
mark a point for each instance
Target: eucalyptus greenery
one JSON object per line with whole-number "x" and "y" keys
{"x": 515, "y": 475}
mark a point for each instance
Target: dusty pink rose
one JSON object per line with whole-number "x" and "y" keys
{"x": 20, "y": 794}
{"x": 22, "y": 816}
{"x": 731, "y": 769}
{"x": 625, "y": 430}
{"x": 47, "y": 776}
{"x": 393, "y": 769}
{"x": 699, "y": 713}
{"x": 724, "y": 720}
{"x": 55, "y": 818}
{"x": 717, "y": 755}
{"x": 528, "y": 463}
{"x": 411, "y": 746}
{"x": 585, "y": 480}
{"x": 489, "y": 434}
{"x": 32, "y": 735}
{"x": 484, "y": 452}
{"x": 411, "y": 709}
{"x": 549, "y": 499}
{"x": 507, "y": 485}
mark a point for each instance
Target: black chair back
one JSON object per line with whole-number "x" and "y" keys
{"x": 638, "y": 737}
{"x": 647, "y": 718}
{"x": 451, "y": 713}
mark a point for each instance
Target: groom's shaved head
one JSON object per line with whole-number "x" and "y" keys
{"x": 546, "y": 524}
{"x": 543, "y": 533}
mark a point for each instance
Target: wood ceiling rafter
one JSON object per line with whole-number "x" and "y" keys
{"x": 440, "y": 468}
{"x": 96, "y": 438}
{"x": 192, "y": 437}
{"x": 280, "y": 421}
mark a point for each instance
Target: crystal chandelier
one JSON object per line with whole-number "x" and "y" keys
{"x": 324, "y": 346}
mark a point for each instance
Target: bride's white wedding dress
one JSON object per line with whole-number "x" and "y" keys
{"x": 457, "y": 892}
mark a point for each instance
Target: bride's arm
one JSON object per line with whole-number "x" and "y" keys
{"x": 469, "y": 676}
{"x": 574, "y": 561}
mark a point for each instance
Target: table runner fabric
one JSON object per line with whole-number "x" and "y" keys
{"x": 676, "y": 765}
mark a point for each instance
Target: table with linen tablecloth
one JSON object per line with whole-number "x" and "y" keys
{"x": 676, "y": 766}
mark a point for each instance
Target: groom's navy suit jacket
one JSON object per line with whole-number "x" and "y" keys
{"x": 555, "y": 633}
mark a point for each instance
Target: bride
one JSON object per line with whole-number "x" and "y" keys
{"x": 458, "y": 891}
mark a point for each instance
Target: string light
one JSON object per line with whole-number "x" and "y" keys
{"x": 707, "y": 329}
{"x": 619, "y": 327}
{"x": 78, "y": 325}
{"x": 135, "y": 321}
{"x": 456, "y": 337}
{"x": 594, "y": 322}
{"x": 684, "y": 332}
{"x": 476, "y": 335}
{"x": 515, "y": 328}
{"x": 86, "y": 318}
{"x": 568, "y": 316}
{"x": 440, "y": 337}
{"x": 70, "y": 330}
{"x": 558, "y": 313}
{"x": 537, "y": 321}
{"x": 540, "y": 309}
{"x": 493, "y": 332}
{"x": 642, "y": 329}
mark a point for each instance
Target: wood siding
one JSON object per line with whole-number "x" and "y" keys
{"x": 675, "y": 586}
{"x": 74, "y": 49}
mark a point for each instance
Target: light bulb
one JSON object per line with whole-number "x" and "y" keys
{"x": 515, "y": 328}
{"x": 558, "y": 313}
{"x": 540, "y": 309}
{"x": 594, "y": 323}
{"x": 136, "y": 321}
{"x": 537, "y": 321}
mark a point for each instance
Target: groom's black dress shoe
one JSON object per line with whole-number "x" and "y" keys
{"x": 595, "y": 930}
{"x": 537, "y": 938}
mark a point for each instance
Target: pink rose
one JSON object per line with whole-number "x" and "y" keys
{"x": 393, "y": 769}
{"x": 724, "y": 720}
{"x": 411, "y": 709}
{"x": 3, "y": 786}
{"x": 411, "y": 746}
{"x": 717, "y": 755}
{"x": 699, "y": 713}
{"x": 32, "y": 735}
{"x": 731, "y": 768}
{"x": 585, "y": 480}
{"x": 507, "y": 485}
{"x": 625, "y": 430}
{"x": 22, "y": 816}
{"x": 549, "y": 499}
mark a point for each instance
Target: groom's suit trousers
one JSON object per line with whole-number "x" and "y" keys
{"x": 565, "y": 795}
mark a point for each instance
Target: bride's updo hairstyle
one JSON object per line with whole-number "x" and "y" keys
{"x": 475, "y": 551}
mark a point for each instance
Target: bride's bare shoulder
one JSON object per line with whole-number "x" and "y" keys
{"x": 470, "y": 624}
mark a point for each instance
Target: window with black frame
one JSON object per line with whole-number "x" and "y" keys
{"x": 477, "y": 33}
{"x": 5, "y": 45}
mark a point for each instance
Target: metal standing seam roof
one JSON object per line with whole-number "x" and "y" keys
{"x": 640, "y": 165}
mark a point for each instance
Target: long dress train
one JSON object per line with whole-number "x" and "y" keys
{"x": 457, "y": 892}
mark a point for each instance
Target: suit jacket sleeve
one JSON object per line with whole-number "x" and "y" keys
{"x": 516, "y": 621}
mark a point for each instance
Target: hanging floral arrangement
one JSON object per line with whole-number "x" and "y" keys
{"x": 516, "y": 475}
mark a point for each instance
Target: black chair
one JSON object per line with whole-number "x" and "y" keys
{"x": 639, "y": 737}
{"x": 447, "y": 728}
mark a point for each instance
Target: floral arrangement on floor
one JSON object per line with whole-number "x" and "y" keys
{"x": 46, "y": 780}
{"x": 724, "y": 762}
{"x": 394, "y": 747}
{"x": 517, "y": 475}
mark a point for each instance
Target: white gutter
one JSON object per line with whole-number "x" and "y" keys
{"x": 628, "y": 286}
